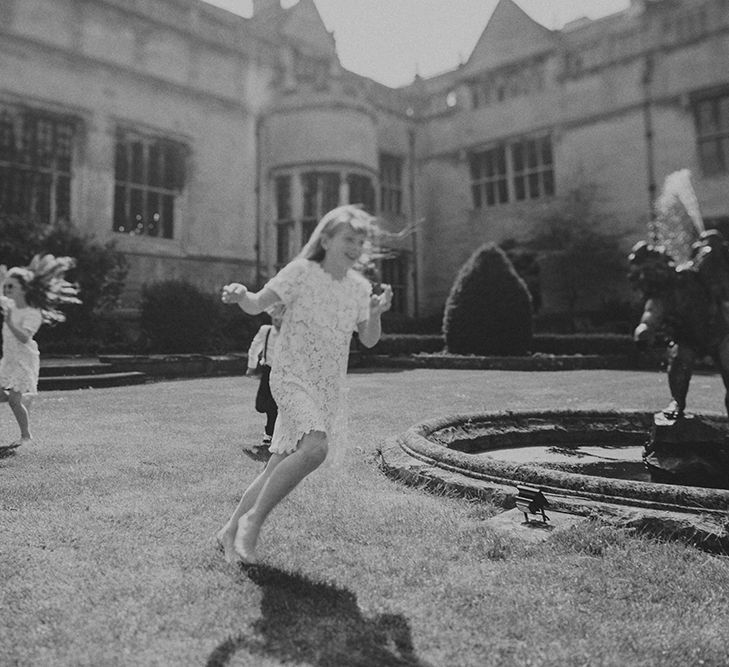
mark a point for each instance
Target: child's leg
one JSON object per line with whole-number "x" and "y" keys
{"x": 284, "y": 477}
{"x": 15, "y": 399}
{"x": 226, "y": 535}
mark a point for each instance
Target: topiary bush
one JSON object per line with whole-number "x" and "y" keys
{"x": 176, "y": 317}
{"x": 526, "y": 264}
{"x": 488, "y": 311}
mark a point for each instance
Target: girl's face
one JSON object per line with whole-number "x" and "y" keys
{"x": 13, "y": 289}
{"x": 345, "y": 245}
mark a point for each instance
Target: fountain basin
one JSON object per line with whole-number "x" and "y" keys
{"x": 472, "y": 449}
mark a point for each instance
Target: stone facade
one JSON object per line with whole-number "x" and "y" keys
{"x": 207, "y": 145}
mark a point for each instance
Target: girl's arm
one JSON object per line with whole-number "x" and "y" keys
{"x": 255, "y": 349}
{"x": 252, "y": 303}
{"x": 371, "y": 329}
{"x": 23, "y": 335}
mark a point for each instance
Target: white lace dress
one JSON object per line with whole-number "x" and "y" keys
{"x": 312, "y": 349}
{"x": 20, "y": 363}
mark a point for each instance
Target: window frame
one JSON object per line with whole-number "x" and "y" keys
{"x": 148, "y": 168}
{"x": 391, "y": 183}
{"x": 37, "y": 156}
{"x": 314, "y": 190}
{"x": 489, "y": 176}
{"x": 284, "y": 217}
{"x": 716, "y": 103}
{"x": 515, "y": 171}
{"x": 361, "y": 190}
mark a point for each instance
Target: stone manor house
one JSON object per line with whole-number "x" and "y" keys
{"x": 207, "y": 145}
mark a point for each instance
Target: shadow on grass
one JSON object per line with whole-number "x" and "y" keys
{"x": 259, "y": 454}
{"x": 319, "y": 624}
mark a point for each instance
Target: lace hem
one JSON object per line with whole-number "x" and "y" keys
{"x": 19, "y": 383}
{"x": 287, "y": 436}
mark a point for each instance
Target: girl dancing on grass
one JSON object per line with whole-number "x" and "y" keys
{"x": 326, "y": 300}
{"x": 30, "y": 297}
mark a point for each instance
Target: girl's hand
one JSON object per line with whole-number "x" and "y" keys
{"x": 233, "y": 293}
{"x": 379, "y": 303}
{"x": 6, "y": 304}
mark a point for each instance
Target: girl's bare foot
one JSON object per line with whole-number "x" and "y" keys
{"x": 20, "y": 442}
{"x": 245, "y": 540}
{"x": 225, "y": 541}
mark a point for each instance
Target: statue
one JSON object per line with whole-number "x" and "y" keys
{"x": 688, "y": 307}
{"x": 683, "y": 275}
{"x": 684, "y": 278}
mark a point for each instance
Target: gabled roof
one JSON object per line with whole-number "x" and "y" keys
{"x": 510, "y": 36}
{"x": 301, "y": 25}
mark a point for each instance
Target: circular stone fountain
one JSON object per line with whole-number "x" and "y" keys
{"x": 585, "y": 462}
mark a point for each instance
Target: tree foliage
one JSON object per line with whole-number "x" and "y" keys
{"x": 589, "y": 258}
{"x": 488, "y": 311}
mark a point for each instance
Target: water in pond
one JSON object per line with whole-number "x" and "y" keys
{"x": 617, "y": 462}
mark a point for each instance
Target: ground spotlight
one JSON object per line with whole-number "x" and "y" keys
{"x": 531, "y": 500}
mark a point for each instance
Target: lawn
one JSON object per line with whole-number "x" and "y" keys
{"x": 107, "y": 554}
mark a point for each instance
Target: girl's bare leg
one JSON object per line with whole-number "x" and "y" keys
{"x": 15, "y": 399}
{"x": 226, "y": 535}
{"x": 284, "y": 477}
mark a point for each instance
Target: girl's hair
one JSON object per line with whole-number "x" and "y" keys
{"x": 24, "y": 278}
{"x": 44, "y": 284}
{"x": 350, "y": 214}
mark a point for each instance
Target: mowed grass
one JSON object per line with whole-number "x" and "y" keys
{"x": 107, "y": 554}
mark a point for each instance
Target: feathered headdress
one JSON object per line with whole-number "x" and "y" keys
{"x": 678, "y": 223}
{"x": 45, "y": 284}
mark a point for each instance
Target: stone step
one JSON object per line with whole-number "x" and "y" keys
{"x": 58, "y": 367}
{"x": 92, "y": 380}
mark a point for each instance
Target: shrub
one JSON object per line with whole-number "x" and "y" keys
{"x": 397, "y": 323}
{"x": 488, "y": 311}
{"x": 237, "y": 328}
{"x": 602, "y": 344}
{"x": 20, "y": 239}
{"x": 406, "y": 344}
{"x": 100, "y": 272}
{"x": 177, "y": 317}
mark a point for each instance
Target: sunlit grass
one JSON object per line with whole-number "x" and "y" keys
{"x": 107, "y": 556}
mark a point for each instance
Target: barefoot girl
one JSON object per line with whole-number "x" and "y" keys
{"x": 326, "y": 300}
{"x": 29, "y": 297}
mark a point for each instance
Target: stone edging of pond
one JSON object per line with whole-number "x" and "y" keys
{"x": 695, "y": 515}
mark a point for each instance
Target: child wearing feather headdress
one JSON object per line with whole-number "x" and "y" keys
{"x": 30, "y": 296}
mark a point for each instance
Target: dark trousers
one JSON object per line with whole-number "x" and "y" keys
{"x": 265, "y": 402}
{"x": 270, "y": 421}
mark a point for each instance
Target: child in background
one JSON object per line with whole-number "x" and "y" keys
{"x": 261, "y": 356}
{"x": 30, "y": 296}
{"x": 326, "y": 300}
